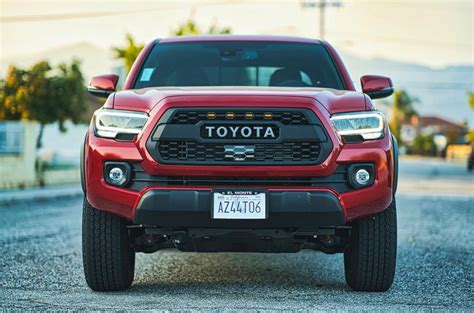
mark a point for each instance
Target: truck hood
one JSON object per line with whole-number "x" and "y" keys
{"x": 335, "y": 101}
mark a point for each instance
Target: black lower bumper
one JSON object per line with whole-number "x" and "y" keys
{"x": 192, "y": 209}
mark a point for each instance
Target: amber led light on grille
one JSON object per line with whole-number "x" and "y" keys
{"x": 248, "y": 115}
{"x": 211, "y": 115}
{"x": 267, "y": 115}
{"x": 230, "y": 115}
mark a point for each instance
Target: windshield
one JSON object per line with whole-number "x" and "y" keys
{"x": 233, "y": 63}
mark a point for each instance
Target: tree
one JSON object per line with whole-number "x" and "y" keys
{"x": 190, "y": 28}
{"x": 470, "y": 96}
{"x": 402, "y": 111}
{"x": 129, "y": 53}
{"x": 13, "y": 95}
{"x": 44, "y": 95}
{"x": 470, "y": 134}
{"x": 424, "y": 145}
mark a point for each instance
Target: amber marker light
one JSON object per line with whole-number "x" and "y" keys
{"x": 267, "y": 115}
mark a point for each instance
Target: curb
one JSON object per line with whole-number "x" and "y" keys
{"x": 436, "y": 196}
{"x": 9, "y": 198}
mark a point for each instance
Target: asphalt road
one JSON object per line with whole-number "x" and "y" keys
{"x": 41, "y": 265}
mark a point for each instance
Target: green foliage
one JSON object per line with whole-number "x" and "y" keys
{"x": 402, "y": 111}
{"x": 43, "y": 94}
{"x": 470, "y": 136}
{"x": 13, "y": 95}
{"x": 424, "y": 145}
{"x": 215, "y": 30}
{"x": 190, "y": 28}
{"x": 129, "y": 53}
{"x": 470, "y": 96}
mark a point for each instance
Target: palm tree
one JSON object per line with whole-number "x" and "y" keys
{"x": 402, "y": 111}
{"x": 470, "y": 134}
{"x": 190, "y": 28}
{"x": 470, "y": 96}
{"x": 129, "y": 53}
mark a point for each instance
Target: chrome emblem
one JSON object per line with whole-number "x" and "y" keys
{"x": 239, "y": 153}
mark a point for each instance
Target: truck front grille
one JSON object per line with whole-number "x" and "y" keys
{"x": 282, "y": 152}
{"x": 299, "y": 137}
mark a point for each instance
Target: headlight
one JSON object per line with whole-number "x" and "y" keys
{"x": 110, "y": 123}
{"x": 368, "y": 125}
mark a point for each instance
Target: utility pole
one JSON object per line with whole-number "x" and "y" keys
{"x": 321, "y": 5}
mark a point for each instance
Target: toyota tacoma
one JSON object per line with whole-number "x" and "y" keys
{"x": 239, "y": 144}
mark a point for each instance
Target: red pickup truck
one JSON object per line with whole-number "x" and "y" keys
{"x": 239, "y": 144}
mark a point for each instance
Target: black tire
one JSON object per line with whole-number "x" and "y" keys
{"x": 109, "y": 260}
{"x": 370, "y": 259}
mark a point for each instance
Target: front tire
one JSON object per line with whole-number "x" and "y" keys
{"x": 108, "y": 257}
{"x": 370, "y": 259}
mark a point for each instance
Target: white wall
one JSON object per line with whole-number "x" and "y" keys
{"x": 18, "y": 169}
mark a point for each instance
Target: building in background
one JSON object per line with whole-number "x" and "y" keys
{"x": 433, "y": 125}
{"x": 18, "y": 153}
{"x": 434, "y": 135}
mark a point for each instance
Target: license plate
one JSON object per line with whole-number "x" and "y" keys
{"x": 239, "y": 204}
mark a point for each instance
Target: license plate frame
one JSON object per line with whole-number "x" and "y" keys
{"x": 247, "y": 195}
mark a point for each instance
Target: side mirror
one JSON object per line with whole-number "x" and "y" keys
{"x": 376, "y": 87}
{"x": 103, "y": 85}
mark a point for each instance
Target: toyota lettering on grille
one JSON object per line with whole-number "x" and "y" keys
{"x": 215, "y": 131}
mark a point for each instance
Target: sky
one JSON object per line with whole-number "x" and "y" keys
{"x": 430, "y": 32}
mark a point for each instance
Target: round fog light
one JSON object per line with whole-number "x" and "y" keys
{"x": 362, "y": 177}
{"x": 117, "y": 176}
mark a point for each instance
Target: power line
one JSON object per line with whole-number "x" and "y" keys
{"x": 70, "y": 16}
{"x": 417, "y": 41}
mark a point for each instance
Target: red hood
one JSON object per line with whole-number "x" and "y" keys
{"x": 334, "y": 101}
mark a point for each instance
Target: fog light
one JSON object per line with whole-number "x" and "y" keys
{"x": 116, "y": 175}
{"x": 362, "y": 177}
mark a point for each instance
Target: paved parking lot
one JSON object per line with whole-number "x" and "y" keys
{"x": 41, "y": 266}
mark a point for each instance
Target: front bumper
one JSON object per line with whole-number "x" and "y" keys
{"x": 137, "y": 205}
{"x": 192, "y": 209}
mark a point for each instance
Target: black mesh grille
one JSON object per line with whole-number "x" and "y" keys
{"x": 182, "y": 137}
{"x": 274, "y": 152}
{"x": 285, "y": 117}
